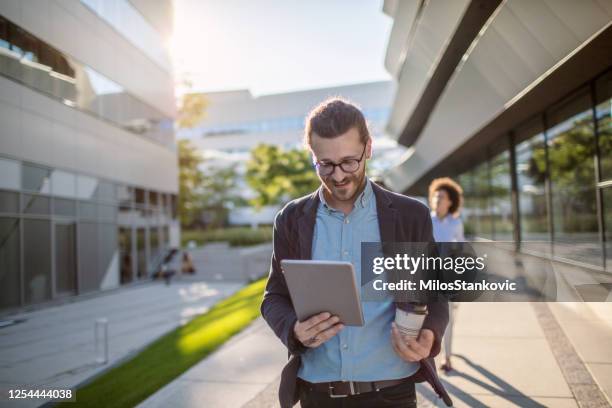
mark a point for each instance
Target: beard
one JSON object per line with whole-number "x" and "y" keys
{"x": 347, "y": 188}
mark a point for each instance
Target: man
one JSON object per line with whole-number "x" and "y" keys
{"x": 331, "y": 365}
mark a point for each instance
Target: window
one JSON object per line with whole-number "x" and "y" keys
{"x": 10, "y": 170}
{"x": 65, "y": 258}
{"x": 89, "y": 279}
{"x": 531, "y": 180}
{"x": 141, "y": 252}
{"x": 603, "y": 93}
{"x": 9, "y": 202}
{"x": 125, "y": 253}
{"x": 37, "y": 260}
{"x": 571, "y": 152}
{"x": 501, "y": 204}
{"x": 604, "y": 124}
{"x": 64, "y": 184}
{"x": 64, "y": 207}
{"x": 35, "y": 204}
{"x": 9, "y": 263}
{"x": 36, "y": 179}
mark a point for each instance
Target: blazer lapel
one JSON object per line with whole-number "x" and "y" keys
{"x": 306, "y": 223}
{"x": 387, "y": 215}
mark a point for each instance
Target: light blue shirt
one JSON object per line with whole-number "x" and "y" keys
{"x": 447, "y": 229}
{"x": 355, "y": 353}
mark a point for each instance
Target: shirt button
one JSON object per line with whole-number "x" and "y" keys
{"x": 345, "y": 253}
{"x": 345, "y": 346}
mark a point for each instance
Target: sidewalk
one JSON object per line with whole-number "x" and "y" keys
{"x": 54, "y": 347}
{"x": 506, "y": 355}
{"x": 504, "y": 358}
{"x": 236, "y": 373}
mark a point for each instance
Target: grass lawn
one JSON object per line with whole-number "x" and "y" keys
{"x": 235, "y": 236}
{"x": 168, "y": 357}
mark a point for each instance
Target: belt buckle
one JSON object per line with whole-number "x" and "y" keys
{"x": 332, "y": 395}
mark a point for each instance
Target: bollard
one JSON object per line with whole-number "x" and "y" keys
{"x": 101, "y": 330}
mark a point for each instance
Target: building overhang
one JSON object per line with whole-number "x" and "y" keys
{"x": 511, "y": 54}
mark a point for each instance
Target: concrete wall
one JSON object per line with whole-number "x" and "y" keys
{"x": 74, "y": 29}
{"x": 40, "y": 129}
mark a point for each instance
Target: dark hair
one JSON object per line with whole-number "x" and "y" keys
{"x": 454, "y": 191}
{"x": 334, "y": 117}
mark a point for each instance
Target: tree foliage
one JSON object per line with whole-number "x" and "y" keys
{"x": 278, "y": 175}
{"x": 192, "y": 110}
{"x": 191, "y": 179}
{"x": 217, "y": 195}
{"x": 204, "y": 196}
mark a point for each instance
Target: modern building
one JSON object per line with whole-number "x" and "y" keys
{"x": 513, "y": 99}
{"x": 236, "y": 121}
{"x": 88, "y": 163}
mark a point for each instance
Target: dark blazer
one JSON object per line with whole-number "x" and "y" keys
{"x": 400, "y": 219}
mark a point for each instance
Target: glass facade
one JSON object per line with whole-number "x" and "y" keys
{"x": 563, "y": 165}
{"x": 501, "y": 207}
{"x": 571, "y": 152}
{"x": 10, "y": 287}
{"x": 531, "y": 179}
{"x": 34, "y": 63}
{"x": 37, "y": 260}
{"x": 603, "y": 112}
{"x": 63, "y": 233}
{"x": 65, "y": 258}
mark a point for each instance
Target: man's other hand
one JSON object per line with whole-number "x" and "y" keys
{"x": 317, "y": 329}
{"x": 412, "y": 350}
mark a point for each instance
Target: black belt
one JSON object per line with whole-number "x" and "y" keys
{"x": 339, "y": 389}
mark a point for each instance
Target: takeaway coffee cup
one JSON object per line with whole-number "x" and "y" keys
{"x": 409, "y": 319}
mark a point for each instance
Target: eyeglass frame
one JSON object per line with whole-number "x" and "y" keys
{"x": 318, "y": 164}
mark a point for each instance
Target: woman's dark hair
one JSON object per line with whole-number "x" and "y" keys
{"x": 452, "y": 188}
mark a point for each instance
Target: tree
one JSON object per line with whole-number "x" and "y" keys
{"x": 217, "y": 195}
{"x": 192, "y": 106}
{"x": 191, "y": 179}
{"x": 191, "y": 110}
{"x": 278, "y": 175}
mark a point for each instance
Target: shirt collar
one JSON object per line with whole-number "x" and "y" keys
{"x": 361, "y": 201}
{"x": 434, "y": 216}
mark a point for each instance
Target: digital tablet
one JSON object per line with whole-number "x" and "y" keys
{"x": 323, "y": 286}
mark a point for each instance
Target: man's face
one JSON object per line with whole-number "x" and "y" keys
{"x": 341, "y": 185}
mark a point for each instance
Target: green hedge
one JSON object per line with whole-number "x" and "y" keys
{"x": 239, "y": 236}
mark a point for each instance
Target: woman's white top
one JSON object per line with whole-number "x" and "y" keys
{"x": 447, "y": 229}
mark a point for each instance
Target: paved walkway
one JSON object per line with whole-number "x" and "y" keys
{"x": 517, "y": 354}
{"x": 54, "y": 347}
{"x": 243, "y": 367}
{"x": 507, "y": 354}
{"x": 505, "y": 358}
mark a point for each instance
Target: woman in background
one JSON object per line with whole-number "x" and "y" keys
{"x": 445, "y": 201}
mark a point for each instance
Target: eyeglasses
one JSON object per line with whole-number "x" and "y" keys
{"x": 347, "y": 165}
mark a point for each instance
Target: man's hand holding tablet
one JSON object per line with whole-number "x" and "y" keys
{"x": 325, "y": 297}
{"x": 317, "y": 329}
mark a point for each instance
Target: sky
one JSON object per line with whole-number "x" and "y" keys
{"x": 275, "y": 46}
